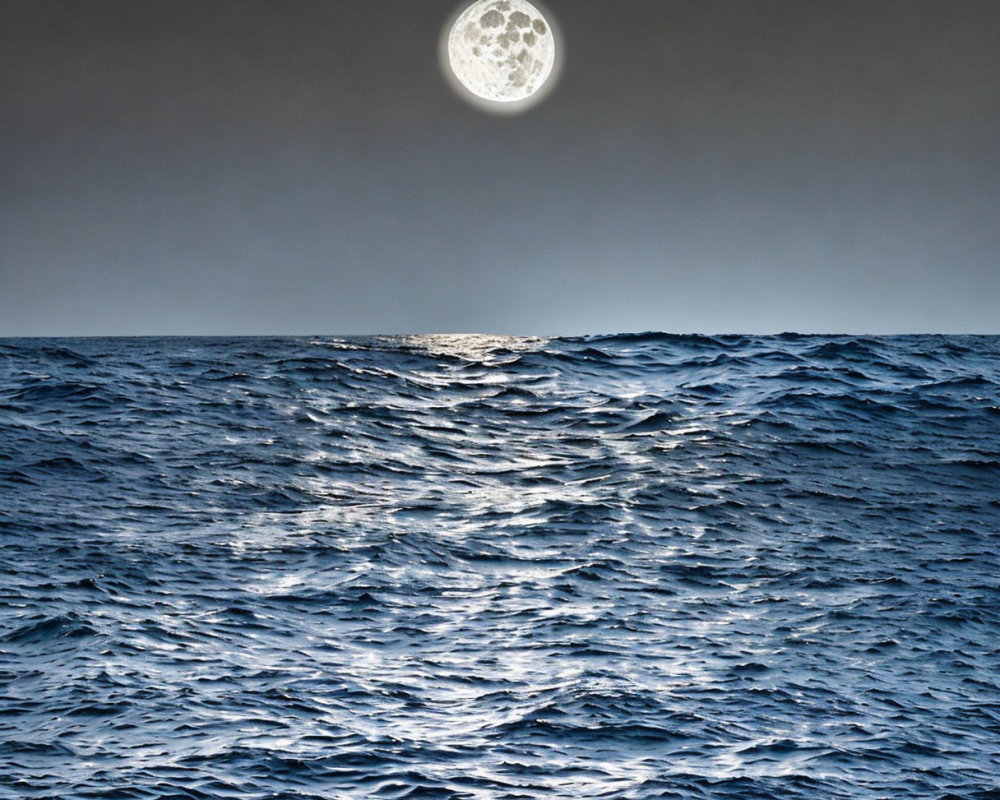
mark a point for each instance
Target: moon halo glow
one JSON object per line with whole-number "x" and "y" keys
{"x": 502, "y": 56}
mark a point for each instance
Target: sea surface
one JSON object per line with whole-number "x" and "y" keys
{"x": 642, "y": 566}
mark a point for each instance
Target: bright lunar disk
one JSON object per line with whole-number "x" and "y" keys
{"x": 503, "y": 51}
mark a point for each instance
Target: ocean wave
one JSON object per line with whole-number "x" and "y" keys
{"x": 632, "y": 565}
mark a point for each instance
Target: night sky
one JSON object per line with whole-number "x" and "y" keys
{"x": 301, "y": 167}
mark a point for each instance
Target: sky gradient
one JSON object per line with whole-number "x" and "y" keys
{"x": 301, "y": 167}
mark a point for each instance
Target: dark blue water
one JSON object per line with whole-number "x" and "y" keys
{"x": 473, "y": 567}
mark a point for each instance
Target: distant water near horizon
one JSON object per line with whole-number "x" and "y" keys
{"x": 637, "y": 566}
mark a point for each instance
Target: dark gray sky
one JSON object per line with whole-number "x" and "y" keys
{"x": 295, "y": 166}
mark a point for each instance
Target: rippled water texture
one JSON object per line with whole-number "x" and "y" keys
{"x": 472, "y": 567}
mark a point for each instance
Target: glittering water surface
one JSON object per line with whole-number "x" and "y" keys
{"x": 473, "y": 567}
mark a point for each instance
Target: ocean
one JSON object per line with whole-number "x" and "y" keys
{"x": 638, "y": 566}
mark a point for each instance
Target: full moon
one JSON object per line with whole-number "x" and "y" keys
{"x": 503, "y": 52}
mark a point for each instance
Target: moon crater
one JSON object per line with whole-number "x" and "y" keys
{"x": 501, "y": 51}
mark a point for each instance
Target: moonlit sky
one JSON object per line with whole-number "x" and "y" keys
{"x": 302, "y": 167}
